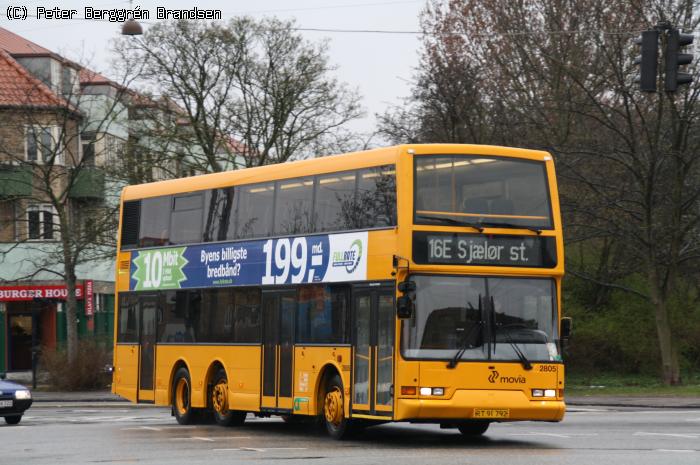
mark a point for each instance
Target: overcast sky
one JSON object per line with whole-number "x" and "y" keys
{"x": 379, "y": 65}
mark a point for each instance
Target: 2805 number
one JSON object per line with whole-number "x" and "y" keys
{"x": 549, "y": 368}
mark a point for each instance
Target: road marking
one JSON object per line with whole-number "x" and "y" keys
{"x": 193, "y": 438}
{"x": 669, "y": 435}
{"x": 257, "y": 449}
{"x": 150, "y": 428}
{"x": 584, "y": 410}
{"x": 674, "y": 450}
{"x": 540, "y": 434}
{"x": 553, "y": 435}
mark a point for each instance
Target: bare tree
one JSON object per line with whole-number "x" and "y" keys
{"x": 560, "y": 76}
{"x": 245, "y": 93}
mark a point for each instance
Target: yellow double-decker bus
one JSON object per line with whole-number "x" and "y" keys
{"x": 414, "y": 283}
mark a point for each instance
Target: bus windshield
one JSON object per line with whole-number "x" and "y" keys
{"x": 484, "y": 318}
{"x": 480, "y": 190}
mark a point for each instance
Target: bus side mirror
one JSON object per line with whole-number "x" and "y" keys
{"x": 566, "y": 327}
{"x": 407, "y": 286}
{"x": 404, "y": 307}
{"x": 405, "y": 304}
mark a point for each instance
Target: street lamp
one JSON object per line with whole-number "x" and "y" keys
{"x": 132, "y": 28}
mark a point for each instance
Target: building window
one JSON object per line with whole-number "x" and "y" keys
{"x": 43, "y": 145}
{"x": 88, "y": 145}
{"x": 41, "y": 222}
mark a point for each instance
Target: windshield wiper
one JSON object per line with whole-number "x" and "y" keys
{"x": 451, "y": 221}
{"x": 463, "y": 348}
{"x": 521, "y": 356}
{"x": 493, "y": 224}
{"x": 523, "y": 359}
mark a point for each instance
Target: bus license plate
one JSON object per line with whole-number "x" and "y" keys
{"x": 5, "y": 403}
{"x": 491, "y": 413}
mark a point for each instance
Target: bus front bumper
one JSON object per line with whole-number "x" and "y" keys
{"x": 467, "y": 404}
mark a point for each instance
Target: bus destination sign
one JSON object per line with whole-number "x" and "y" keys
{"x": 482, "y": 250}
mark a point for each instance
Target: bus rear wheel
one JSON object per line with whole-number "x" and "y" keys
{"x": 220, "y": 403}
{"x": 473, "y": 428}
{"x": 182, "y": 391}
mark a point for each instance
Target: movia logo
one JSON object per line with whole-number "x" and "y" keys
{"x": 349, "y": 259}
{"x": 493, "y": 377}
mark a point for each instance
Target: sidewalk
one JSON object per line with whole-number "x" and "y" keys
{"x": 78, "y": 396}
{"x": 107, "y": 398}
{"x": 633, "y": 401}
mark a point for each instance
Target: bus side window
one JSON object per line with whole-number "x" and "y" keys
{"x": 294, "y": 206}
{"x": 131, "y": 214}
{"x": 154, "y": 225}
{"x": 127, "y": 330}
{"x": 255, "y": 209}
{"x": 335, "y": 199}
{"x": 246, "y": 315}
{"x": 186, "y": 219}
{"x": 376, "y": 197}
{"x": 321, "y": 314}
{"x": 219, "y": 214}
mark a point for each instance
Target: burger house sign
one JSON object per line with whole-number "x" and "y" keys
{"x": 29, "y": 293}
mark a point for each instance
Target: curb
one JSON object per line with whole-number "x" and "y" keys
{"x": 93, "y": 404}
{"x": 633, "y": 405}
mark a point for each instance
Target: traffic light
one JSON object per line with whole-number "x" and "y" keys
{"x": 674, "y": 59}
{"x": 648, "y": 60}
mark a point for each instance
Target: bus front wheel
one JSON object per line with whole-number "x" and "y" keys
{"x": 220, "y": 403}
{"x": 474, "y": 428}
{"x": 337, "y": 425}
{"x": 182, "y": 391}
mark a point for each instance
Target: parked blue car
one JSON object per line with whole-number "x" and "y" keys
{"x": 14, "y": 400}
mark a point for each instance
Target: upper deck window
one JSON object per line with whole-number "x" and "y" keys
{"x": 155, "y": 221}
{"x": 186, "y": 219}
{"x": 295, "y": 203}
{"x": 490, "y": 191}
{"x": 338, "y": 201}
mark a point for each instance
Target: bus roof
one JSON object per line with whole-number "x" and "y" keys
{"x": 314, "y": 166}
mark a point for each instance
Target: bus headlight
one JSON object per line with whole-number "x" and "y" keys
{"x": 544, "y": 393}
{"x": 434, "y": 391}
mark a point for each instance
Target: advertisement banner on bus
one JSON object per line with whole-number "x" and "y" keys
{"x": 286, "y": 260}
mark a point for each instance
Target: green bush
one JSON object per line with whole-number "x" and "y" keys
{"x": 620, "y": 336}
{"x": 87, "y": 372}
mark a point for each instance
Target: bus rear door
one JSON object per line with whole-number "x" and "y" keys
{"x": 148, "y": 310}
{"x": 278, "y": 348}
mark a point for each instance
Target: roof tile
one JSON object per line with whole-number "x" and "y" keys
{"x": 18, "y": 45}
{"x": 19, "y": 88}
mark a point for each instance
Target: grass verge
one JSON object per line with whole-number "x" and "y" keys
{"x": 612, "y": 384}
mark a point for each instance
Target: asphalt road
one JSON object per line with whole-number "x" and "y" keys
{"x": 125, "y": 435}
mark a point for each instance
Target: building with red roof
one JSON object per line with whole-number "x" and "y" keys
{"x": 61, "y": 126}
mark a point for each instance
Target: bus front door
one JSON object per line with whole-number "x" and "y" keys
{"x": 278, "y": 349}
{"x": 148, "y": 309}
{"x": 373, "y": 360}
